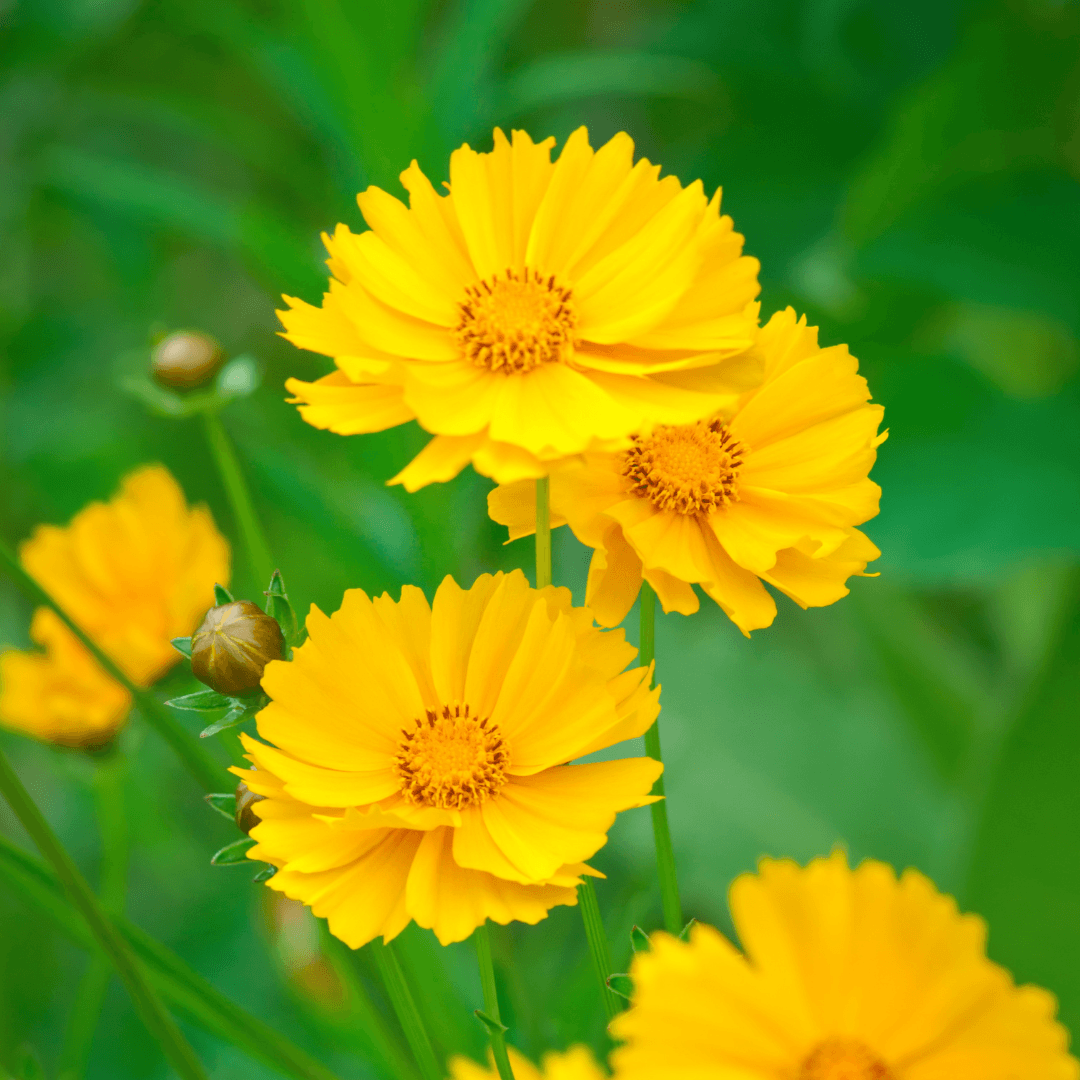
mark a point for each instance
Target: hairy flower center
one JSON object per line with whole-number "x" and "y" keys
{"x": 516, "y": 321}
{"x": 688, "y": 468}
{"x": 844, "y": 1059}
{"x": 451, "y": 760}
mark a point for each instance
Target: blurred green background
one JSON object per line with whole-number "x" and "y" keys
{"x": 908, "y": 175}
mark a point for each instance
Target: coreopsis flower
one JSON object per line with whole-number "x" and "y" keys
{"x": 60, "y": 695}
{"x": 134, "y": 572}
{"x": 536, "y": 310}
{"x": 843, "y": 975}
{"x": 770, "y": 490}
{"x": 419, "y": 761}
{"x": 577, "y": 1063}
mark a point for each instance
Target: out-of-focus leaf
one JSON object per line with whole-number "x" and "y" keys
{"x": 182, "y": 645}
{"x": 639, "y": 940}
{"x": 222, "y": 595}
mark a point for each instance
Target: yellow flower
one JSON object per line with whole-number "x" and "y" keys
{"x": 538, "y": 309}
{"x": 418, "y": 768}
{"x": 844, "y": 975}
{"x": 577, "y": 1063}
{"x": 769, "y": 490}
{"x": 61, "y": 695}
{"x": 135, "y": 572}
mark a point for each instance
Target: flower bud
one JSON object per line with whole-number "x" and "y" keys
{"x": 233, "y": 645}
{"x": 186, "y": 359}
{"x": 246, "y": 818}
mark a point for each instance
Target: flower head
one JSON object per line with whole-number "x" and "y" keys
{"x": 577, "y": 1063}
{"x": 60, "y": 695}
{"x": 844, "y": 975}
{"x": 134, "y": 572}
{"x": 419, "y": 771}
{"x": 769, "y": 490}
{"x": 536, "y": 310}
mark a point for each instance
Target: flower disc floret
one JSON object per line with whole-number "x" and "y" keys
{"x": 843, "y": 1059}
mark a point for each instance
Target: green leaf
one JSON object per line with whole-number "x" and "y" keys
{"x": 241, "y": 376}
{"x": 28, "y": 1065}
{"x": 264, "y": 875}
{"x": 279, "y": 607}
{"x": 221, "y": 595}
{"x": 201, "y": 701}
{"x": 623, "y": 985}
{"x": 182, "y": 645}
{"x": 684, "y": 934}
{"x": 493, "y": 1026}
{"x": 639, "y": 940}
{"x": 240, "y": 712}
{"x": 234, "y": 853}
{"x": 225, "y": 805}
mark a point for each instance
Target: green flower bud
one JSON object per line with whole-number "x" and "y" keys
{"x": 186, "y": 359}
{"x": 232, "y": 647}
{"x": 246, "y": 818}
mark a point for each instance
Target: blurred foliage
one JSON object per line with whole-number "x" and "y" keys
{"x": 908, "y": 175}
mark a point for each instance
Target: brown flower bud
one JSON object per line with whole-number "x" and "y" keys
{"x": 246, "y": 818}
{"x": 233, "y": 645}
{"x": 186, "y": 359}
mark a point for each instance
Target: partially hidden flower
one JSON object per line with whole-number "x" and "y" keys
{"x": 768, "y": 491}
{"x": 577, "y": 1063}
{"x": 843, "y": 975}
{"x": 60, "y": 695}
{"x": 418, "y": 767}
{"x": 133, "y": 574}
{"x": 536, "y": 310}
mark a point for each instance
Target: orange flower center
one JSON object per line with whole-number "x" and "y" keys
{"x": 688, "y": 468}
{"x": 451, "y": 760}
{"x": 844, "y": 1059}
{"x": 515, "y": 322}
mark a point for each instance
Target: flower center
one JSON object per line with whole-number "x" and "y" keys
{"x": 451, "y": 760}
{"x": 688, "y": 468}
{"x": 844, "y": 1059}
{"x": 515, "y": 322}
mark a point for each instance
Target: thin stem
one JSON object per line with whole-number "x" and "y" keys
{"x": 191, "y": 752}
{"x": 543, "y": 533}
{"x": 157, "y": 1020}
{"x": 260, "y": 561}
{"x": 482, "y": 937}
{"x": 665, "y": 854}
{"x": 112, "y": 890}
{"x": 598, "y": 944}
{"x": 405, "y": 1007}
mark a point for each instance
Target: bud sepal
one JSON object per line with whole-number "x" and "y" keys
{"x": 235, "y": 853}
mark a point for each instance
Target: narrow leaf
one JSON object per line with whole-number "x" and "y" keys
{"x": 639, "y": 940}
{"x": 222, "y": 595}
{"x": 182, "y": 645}
{"x": 264, "y": 875}
{"x": 493, "y": 1026}
{"x": 201, "y": 701}
{"x": 225, "y": 805}
{"x": 685, "y": 934}
{"x": 623, "y": 985}
{"x": 236, "y": 715}
{"x": 279, "y": 607}
{"x": 233, "y": 854}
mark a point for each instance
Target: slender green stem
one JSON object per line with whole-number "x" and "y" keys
{"x": 405, "y": 1007}
{"x": 112, "y": 890}
{"x": 482, "y": 937}
{"x": 665, "y": 854}
{"x": 260, "y": 561}
{"x": 543, "y": 533}
{"x": 191, "y": 752}
{"x": 598, "y": 944}
{"x": 157, "y": 1020}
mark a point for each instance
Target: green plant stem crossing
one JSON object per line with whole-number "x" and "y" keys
{"x": 497, "y": 1033}
{"x": 405, "y": 1007}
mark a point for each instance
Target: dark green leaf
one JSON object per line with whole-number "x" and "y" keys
{"x": 223, "y": 804}
{"x": 684, "y": 934}
{"x": 639, "y": 940}
{"x": 234, "y": 853}
{"x": 623, "y": 985}
{"x": 222, "y": 595}
{"x": 182, "y": 645}
{"x": 200, "y": 701}
{"x": 264, "y": 875}
{"x": 236, "y": 715}
{"x": 493, "y": 1026}
{"x": 278, "y": 606}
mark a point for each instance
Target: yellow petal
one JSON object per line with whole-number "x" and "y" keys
{"x": 335, "y": 403}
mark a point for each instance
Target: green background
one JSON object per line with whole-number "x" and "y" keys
{"x": 907, "y": 174}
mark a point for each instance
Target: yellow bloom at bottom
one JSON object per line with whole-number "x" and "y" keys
{"x": 844, "y": 975}
{"x": 577, "y": 1063}
{"x": 61, "y": 695}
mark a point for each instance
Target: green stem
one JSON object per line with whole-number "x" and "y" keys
{"x": 405, "y": 1007}
{"x": 598, "y": 944}
{"x": 158, "y": 1022}
{"x": 543, "y": 533}
{"x": 112, "y": 890}
{"x": 482, "y": 937}
{"x": 260, "y": 561}
{"x": 665, "y": 854}
{"x": 191, "y": 752}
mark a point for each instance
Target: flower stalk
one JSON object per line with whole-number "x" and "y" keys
{"x": 492, "y": 1019}
{"x": 195, "y": 757}
{"x": 158, "y": 1021}
{"x": 665, "y": 854}
{"x": 543, "y": 532}
{"x": 405, "y": 1007}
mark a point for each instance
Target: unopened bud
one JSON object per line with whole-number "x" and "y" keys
{"x": 246, "y": 818}
{"x": 186, "y": 359}
{"x": 232, "y": 647}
